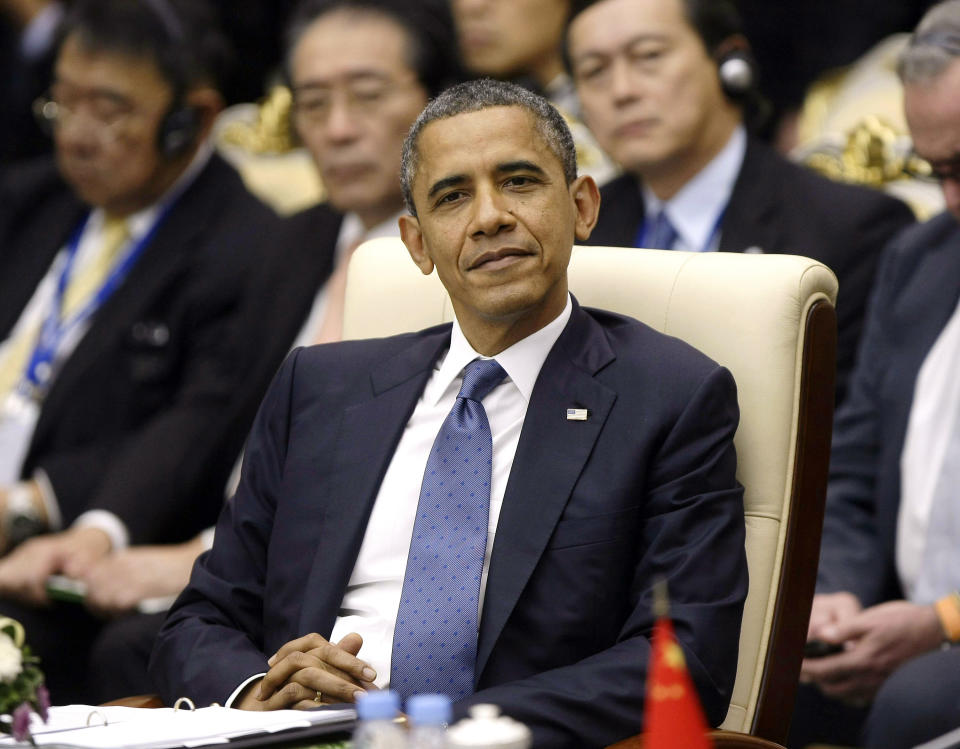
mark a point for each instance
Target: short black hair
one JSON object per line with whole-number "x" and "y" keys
{"x": 434, "y": 54}
{"x": 715, "y": 21}
{"x": 475, "y": 96}
{"x": 181, "y": 37}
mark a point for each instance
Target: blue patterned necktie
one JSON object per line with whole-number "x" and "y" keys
{"x": 662, "y": 234}
{"x": 435, "y": 637}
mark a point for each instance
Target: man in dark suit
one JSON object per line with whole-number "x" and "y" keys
{"x": 121, "y": 271}
{"x": 889, "y": 571}
{"x": 666, "y": 86}
{"x": 611, "y": 464}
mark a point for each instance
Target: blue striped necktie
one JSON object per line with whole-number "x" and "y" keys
{"x": 435, "y": 637}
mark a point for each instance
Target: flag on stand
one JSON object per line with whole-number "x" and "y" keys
{"x": 673, "y": 718}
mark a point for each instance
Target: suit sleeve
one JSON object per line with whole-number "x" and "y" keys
{"x": 219, "y": 618}
{"x": 693, "y": 537}
{"x": 850, "y": 552}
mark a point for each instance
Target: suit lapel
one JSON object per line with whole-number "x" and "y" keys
{"x": 32, "y": 257}
{"x": 750, "y": 220}
{"x": 368, "y": 437}
{"x": 550, "y": 457}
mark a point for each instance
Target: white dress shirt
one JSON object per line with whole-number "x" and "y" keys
{"x": 933, "y": 417}
{"x": 698, "y": 207}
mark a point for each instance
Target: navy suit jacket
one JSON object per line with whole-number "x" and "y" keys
{"x": 779, "y": 207}
{"x": 594, "y": 512}
{"x": 918, "y": 286}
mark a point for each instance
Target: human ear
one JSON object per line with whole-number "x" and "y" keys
{"x": 207, "y": 103}
{"x": 586, "y": 201}
{"x": 413, "y": 238}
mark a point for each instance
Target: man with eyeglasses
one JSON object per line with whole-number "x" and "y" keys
{"x": 887, "y": 599}
{"x": 122, "y": 267}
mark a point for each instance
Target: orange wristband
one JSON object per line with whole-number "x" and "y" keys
{"x": 948, "y": 610}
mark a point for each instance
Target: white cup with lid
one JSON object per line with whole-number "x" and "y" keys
{"x": 487, "y": 729}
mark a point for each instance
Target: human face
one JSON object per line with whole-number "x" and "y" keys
{"x": 650, "y": 92}
{"x": 355, "y": 97}
{"x": 503, "y": 38}
{"x": 933, "y": 116}
{"x": 497, "y": 219}
{"x": 107, "y": 147}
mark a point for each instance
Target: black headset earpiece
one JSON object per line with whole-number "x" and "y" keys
{"x": 737, "y": 73}
{"x": 178, "y": 131}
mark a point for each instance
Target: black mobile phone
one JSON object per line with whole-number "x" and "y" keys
{"x": 820, "y": 649}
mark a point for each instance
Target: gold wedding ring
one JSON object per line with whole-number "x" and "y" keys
{"x": 318, "y": 698}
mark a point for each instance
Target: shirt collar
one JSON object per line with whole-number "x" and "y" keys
{"x": 522, "y": 361}
{"x": 697, "y": 207}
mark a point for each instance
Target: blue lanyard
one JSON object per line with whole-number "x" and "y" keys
{"x": 640, "y": 240}
{"x": 39, "y": 370}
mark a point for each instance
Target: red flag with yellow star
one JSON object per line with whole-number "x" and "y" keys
{"x": 673, "y": 718}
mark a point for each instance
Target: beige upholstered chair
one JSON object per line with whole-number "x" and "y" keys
{"x": 769, "y": 319}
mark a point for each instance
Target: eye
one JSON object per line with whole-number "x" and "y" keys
{"x": 520, "y": 180}
{"x": 449, "y": 198}
{"x": 591, "y": 70}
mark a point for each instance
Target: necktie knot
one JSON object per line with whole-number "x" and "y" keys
{"x": 479, "y": 378}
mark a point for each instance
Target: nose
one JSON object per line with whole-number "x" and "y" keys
{"x": 623, "y": 84}
{"x": 341, "y": 125}
{"x": 491, "y": 213}
{"x": 78, "y": 134}
{"x": 951, "y": 195}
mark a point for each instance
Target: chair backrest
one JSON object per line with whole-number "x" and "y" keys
{"x": 769, "y": 319}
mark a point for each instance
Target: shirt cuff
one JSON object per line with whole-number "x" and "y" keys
{"x": 236, "y": 692}
{"x": 49, "y": 498}
{"x": 107, "y": 522}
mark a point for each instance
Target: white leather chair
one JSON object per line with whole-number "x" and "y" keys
{"x": 769, "y": 319}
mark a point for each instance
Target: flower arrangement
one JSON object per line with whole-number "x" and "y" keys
{"x": 21, "y": 682}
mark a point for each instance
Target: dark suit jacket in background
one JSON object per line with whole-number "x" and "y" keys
{"x": 780, "y": 207}
{"x": 593, "y": 513}
{"x": 918, "y": 286}
{"x": 136, "y": 421}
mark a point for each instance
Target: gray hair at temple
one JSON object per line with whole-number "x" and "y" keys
{"x": 474, "y": 96}
{"x": 934, "y": 45}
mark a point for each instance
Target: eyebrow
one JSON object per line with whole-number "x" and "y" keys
{"x": 508, "y": 167}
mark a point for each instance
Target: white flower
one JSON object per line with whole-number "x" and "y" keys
{"x": 11, "y": 659}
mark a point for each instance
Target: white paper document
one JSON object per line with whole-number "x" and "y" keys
{"x": 104, "y": 727}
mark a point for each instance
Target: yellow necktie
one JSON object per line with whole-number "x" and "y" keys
{"x": 81, "y": 287}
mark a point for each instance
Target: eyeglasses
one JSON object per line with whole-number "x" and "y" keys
{"x": 102, "y": 114}
{"x": 362, "y": 97}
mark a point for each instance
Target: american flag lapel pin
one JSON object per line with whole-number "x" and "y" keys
{"x": 577, "y": 414}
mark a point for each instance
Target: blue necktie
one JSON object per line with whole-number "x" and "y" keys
{"x": 435, "y": 637}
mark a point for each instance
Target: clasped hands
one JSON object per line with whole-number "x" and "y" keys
{"x": 875, "y": 642}
{"x": 309, "y": 670}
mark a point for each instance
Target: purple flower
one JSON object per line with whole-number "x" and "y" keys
{"x": 43, "y": 702}
{"x": 21, "y": 721}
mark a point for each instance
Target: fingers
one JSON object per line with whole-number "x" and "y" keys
{"x": 319, "y": 665}
{"x": 828, "y": 610}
